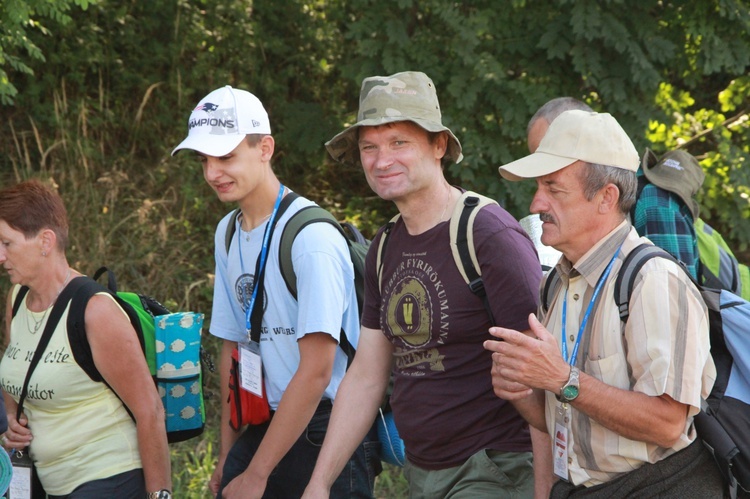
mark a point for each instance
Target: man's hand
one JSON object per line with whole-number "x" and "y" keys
{"x": 315, "y": 491}
{"x": 215, "y": 482}
{"x": 245, "y": 487}
{"x": 522, "y": 362}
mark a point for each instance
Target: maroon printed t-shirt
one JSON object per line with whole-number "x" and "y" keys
{"x": 443, "y": 402}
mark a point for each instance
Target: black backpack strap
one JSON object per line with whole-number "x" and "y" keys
{"x": 231, "y": 229}
{"x": 19, "y": 298}
{"x": 632, "y": 265}
{"x": 551, "y": 283}
{"x": 58, "y": 308}
{"x": 79, "y": 343}
{"x": 111, "y": 279}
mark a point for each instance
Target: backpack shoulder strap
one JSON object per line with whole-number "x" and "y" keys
{"x": 231, "y": 229}
{"x": 61, "y": 303}
{"x": 381, "y": 248}
{"x": 462, "y": 237}
{"x": 19, "y": 298}
{"x": 298, "y": 221}
{"x": 632, "y": 265}
{"x": 462, "y": 243}
{"x": 232, "y": 225}
{"x": 551, "y": 283}
{"x": 79, "y": 343}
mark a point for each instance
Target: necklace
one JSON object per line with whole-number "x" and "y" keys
{"x": 447, "y": 203}
{"x": 260, "y": 222}
{"x": 38, "y": 324}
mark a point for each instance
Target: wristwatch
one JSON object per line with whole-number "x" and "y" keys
{"x": 161, "y": 494}
{"x": 570, "y": 390}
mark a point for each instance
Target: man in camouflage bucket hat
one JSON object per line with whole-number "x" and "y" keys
{"x": 421, "y": 319}
{"x": 407, "y": 96}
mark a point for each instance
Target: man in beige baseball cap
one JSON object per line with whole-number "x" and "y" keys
{"x": 617, "y": 397}
{"x": 421, "y": 319}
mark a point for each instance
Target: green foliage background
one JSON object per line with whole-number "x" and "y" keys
{"x": 94, "y": 94}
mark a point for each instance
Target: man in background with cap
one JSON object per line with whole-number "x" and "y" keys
{"x": 665, "y": 208}
{"x": 421, "y": 317}
{"x": 617, "y": 398}
{"x": 666, "y": 212}
{"x": 298, "y": 352}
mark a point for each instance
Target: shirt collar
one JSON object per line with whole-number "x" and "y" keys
{"x": 592, "y": 264}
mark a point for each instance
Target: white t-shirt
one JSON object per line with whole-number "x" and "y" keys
{"x": 327, "y": 300}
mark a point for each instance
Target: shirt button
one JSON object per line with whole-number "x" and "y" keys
{"x": 576, "y": 296}
{"x": 570, "y": 460}
{"x": 572, "y": 338}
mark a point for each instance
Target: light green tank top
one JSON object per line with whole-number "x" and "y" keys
{"x": 81, "y": 430}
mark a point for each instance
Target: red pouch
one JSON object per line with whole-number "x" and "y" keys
{"x": 245, "y": 407}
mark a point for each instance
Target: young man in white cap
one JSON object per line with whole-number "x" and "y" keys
{"x": 421, "y": 319}
{"x": 617, "y": 398}
{"x": 294, "y": 354}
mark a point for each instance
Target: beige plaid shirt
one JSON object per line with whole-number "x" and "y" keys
{"x": 663, "y": 349}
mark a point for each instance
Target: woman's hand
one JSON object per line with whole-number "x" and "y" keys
{"x": 18, "y": 434}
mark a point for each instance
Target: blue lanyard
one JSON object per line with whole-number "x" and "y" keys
{"x": 263, "y": 254}
{"x": 599, "y": 285}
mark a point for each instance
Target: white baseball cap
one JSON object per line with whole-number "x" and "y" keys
{"x": 221, "y": 121}
{"x": 577, "y": 136}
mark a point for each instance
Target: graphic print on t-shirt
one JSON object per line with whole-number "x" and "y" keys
{"x": 243, "y": 289}
{"x": 412, "y": 294}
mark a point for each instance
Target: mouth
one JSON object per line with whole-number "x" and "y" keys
{"x": 223, "y": 187}
{"x": 385, "y": 177}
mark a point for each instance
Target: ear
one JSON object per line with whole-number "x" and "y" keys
{"x": 440, "y": 145}
{"x": 267, "y": 147}
{"x": 48, "y": 240}
{"x": 610, "y": 196}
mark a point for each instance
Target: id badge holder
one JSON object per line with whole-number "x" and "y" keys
{"x": 560, "y": 458}
{"x": 20, "y": 483}
{"x": 251, "y": 368}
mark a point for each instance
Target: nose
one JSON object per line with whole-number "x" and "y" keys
{"x": 211, "y": 169}
{"x": 383, "y": 159}
{"x": 538, "y": 202}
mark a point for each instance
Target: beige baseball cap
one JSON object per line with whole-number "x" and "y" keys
{"x": 406, "y": 96}
{"x": 577, "y": 136}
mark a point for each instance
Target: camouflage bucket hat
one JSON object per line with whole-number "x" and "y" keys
{"x": 407, "y": 96}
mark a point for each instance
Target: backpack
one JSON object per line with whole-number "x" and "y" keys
{"x": 719, "y": 268}
{"x": 724, "y": 422}
{"x": 356, "y": 243}
{"x": 141, "y": 311}
{"x": 461, "y": 242}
